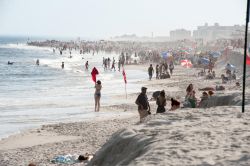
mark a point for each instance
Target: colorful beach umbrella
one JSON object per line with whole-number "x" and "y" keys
{"x": 186, "y": 63}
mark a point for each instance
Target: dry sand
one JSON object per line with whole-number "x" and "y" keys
{"x": 214, "y": 136}
{"x": 218, "y": 135}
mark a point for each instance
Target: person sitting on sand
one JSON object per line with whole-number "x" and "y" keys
{"x": 161, "y": 102}
{"x": 237, "y": 84}
{"x": 217, "y": 88}
{"x": 174, "y": 104}
{"x": 207, "y": 89}
{"x": 143, "y": 104}
{"x": 210, "y": 93}
{"x": 204, "y": 98}
{"x": 191, "y": 98}
{"x": 224, "y": 79}
{"x": 97, "y": 95}
{"x": 189, "y": 90}
{"x": 233, "y": 76}
{"x": 209, "y": 76}
{"x": 201, "y": 73}
{"x": 213, "y": 73}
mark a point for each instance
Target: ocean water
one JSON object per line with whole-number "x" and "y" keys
{"x": 32, "y": 95}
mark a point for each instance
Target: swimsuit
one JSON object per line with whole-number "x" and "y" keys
{"x": 98, "y": 94}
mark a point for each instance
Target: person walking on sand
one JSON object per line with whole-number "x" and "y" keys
{"x": 143, "y": 104}
{"x": 171, "y": 67}
{"x": 97, "y": 95}
{"x": 150, "y": 71}
{"x": 113, "y": 64}
{"x": 119, "y": 65}
{"x": 161, "y": 102}
{"x": 157, "y": 71}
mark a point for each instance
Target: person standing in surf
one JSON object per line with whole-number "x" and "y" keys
{"x": 150, "y": 71}
{"x": 87, "y": 65}
{"x": 62, "y": 65}
{"x": 97, "y": 95}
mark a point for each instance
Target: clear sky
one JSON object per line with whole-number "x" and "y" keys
{"x": 106, "y": 18}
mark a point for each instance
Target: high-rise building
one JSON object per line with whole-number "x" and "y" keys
{"x": 180, "y": 34}
{"x": 208, "y": 33}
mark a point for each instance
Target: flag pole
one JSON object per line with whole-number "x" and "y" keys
{"x": 126, "y": 90}
{"x": 245, "y": 57}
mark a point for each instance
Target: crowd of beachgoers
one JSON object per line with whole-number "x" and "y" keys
{"x": 178, "y": 72}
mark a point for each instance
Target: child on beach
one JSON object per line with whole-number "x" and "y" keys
{"x": 174, "y": 104}
{"x": 203, "y": 103}
{"x": 97, "y": 95}
{"x": 143, "y": 104}
{"x": 161, "y": 102}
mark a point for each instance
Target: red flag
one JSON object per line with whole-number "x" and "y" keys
{"x": 94, "y": 73}
{"x": 124, "y": 76}
{"x": 248, "y": 60}
{"x": 248, "y": 57}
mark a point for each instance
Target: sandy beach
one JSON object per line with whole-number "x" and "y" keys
{"x": 216, "y": 135}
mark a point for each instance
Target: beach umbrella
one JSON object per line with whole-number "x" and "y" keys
{"x": 186, "y": 63}
{"x": 204, "y": 61}
{"x": 165, "y": 55}
{"x": 230, "y": 67}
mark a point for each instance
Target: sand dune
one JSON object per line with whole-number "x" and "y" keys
{"x": 215, "y": 136}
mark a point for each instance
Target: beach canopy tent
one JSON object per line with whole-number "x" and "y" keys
{"x": 230, "y": 67}
{"x": 186, "y": 63}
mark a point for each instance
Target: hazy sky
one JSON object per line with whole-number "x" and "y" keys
{"x": 106, "y": 18}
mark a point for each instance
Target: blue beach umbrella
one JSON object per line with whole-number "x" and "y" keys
{"x": 204, "y": 61}
{"x": 165, "y": 55}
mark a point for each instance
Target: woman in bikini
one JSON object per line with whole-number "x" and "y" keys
{"x": 97, "y": 95}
